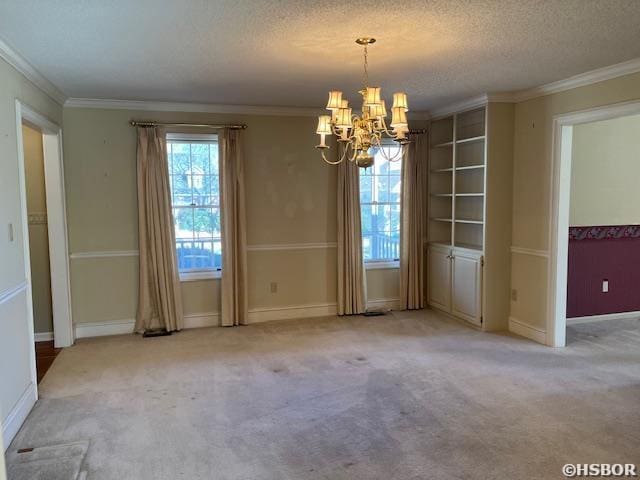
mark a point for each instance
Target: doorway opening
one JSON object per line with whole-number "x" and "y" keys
{"x": 44, "y": 234}
{"x": 564, "y": 127}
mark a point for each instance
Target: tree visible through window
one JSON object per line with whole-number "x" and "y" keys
{"x": 380, "y": 208}
{"x": 195, "y": 199}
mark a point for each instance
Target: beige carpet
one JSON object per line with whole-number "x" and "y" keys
{"x": 409, "y": 396}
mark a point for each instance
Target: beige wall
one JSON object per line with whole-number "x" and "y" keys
{"x": 15, "y": 362}
{"x": 38, "y": 232}
{"x": 605, "y": 169}
{"x": 532, "y": 186}
{"x": 291, "y": 199}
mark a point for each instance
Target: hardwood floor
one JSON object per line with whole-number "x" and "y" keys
{"x": 45, "y": 355}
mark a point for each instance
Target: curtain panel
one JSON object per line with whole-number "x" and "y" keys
{"x": 351, "y": 278}
{"x": 234, "y": 287}
{"x": 412, "y": 223}
{"x": 159, "y": 301}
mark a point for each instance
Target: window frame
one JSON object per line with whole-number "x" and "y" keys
{"x": 197, "y": 274}
{"x": 383, "y": 263}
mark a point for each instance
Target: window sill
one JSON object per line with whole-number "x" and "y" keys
{"x": 197, "y": 276}
{"x": 383, "y": 265}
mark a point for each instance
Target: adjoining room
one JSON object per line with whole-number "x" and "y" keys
{"x": 287, "y": 240}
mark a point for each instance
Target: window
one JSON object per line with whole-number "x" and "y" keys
{"x": 380, "y": 208}
{"x": 195, "y": 200}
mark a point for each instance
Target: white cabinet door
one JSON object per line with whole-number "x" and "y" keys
{"x": 439, "y": 278}
{"x": 466, "y": 295}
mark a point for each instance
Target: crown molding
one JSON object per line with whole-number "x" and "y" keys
{"x": 150, "y": 106}
{"x": 153, "y": 106}
{"x": 580, "y": 80}
{"x": 18, "y": 62}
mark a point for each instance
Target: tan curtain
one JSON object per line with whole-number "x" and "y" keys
{"x": 159, "y": 302}
{"x": 234, "y": 241}
{"x": 412, "y": 224}
{"x": 351, "y": 279}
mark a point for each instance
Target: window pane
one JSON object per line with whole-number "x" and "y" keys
{"x": 366, "y": 215}
{"x": 200, "y": 159}
{"x": 213, "y": 158}
{"x": 381, "y": 188}
{"x": 195, "y": 196}
{"x": 366, "y": 186}
{"x": 394, "y": 188}
{"x": 180, "y": 162}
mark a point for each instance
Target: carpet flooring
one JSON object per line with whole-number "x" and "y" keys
{"x": 413, "y": 395}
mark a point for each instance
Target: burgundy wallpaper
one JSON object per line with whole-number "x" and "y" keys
{"x": 598, "y": 253}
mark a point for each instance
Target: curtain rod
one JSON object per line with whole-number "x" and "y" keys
{"x": 136, "y": 123}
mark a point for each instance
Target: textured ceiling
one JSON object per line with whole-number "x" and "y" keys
{"x": 289, "y": 53}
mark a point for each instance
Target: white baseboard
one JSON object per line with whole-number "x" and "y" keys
{"x": 43, "y": 336}
{"x": 599, "y": 318}
{"x": 102, "y": 329}
{"x": 384, "y": 304}
{"x": 200, "y": 320}
{"x": 210, "y": 319}
{"x": 267, "y": 314}
{"x": 525, "y": 330}
{"x": 18, "y": 414}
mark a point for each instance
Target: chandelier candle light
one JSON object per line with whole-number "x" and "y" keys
{"x": 359, "y": 134}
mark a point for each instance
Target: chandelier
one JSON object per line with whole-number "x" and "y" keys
{"x": 359, "y": 134}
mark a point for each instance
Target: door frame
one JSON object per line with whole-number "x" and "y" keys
{"x": 63, "y": 334}
{"x": 561, "y": 145}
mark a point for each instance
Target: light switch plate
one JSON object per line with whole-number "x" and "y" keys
{"x": 605, "y": 286}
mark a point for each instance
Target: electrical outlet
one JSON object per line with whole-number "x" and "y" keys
{"x": 274, "y": 287}
{"x": 514, "y": 295}
{"x": 605, "y": 286}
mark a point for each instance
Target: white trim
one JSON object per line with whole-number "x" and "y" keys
{"x": 291, "y": 246}
{"x": 267, "y": 314}
{"x": 18, "y": 414}
{"x": 460, "y": 106}
{"x": 604, "y": 317}
{"x": 212, "y": 319}
{"x": 193, "y": 137}
{"x": 201, "y": 320}
{"x": 104, "y": 254}
{"x": 580, "y": 80}
{"x": 101, "y": 329}
{"x": 150, "y": 106}
{"x": 562, "y": 132}
{"x": 384, "y": 304}
{"x": 200, "y": 275}
{"x": 530, "y": 251}
{"x": 8, "y": 293}
{"x": 382, "y": 265}
{"x": 18, "y": 62}
{"x": 57, "y": 221}
{"x": 43, "y": 336}
{"x": 528, "y": 331}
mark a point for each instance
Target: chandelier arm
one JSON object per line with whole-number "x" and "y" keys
{"x": 329, "y": 161}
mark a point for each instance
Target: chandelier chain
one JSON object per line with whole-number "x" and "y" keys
{"x": 365, "y": 78}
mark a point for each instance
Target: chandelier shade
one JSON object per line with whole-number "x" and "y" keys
{"x": 358, "y": 134}
{"x": 335, "y": 100}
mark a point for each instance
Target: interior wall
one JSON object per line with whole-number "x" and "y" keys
{"x": 38, "y": 232}
{"x": 605, "y": 199}
{"x": 605, "y": 169}
{"x": 532, "y": 188}
{"x": 15, "y": 339}
{"x": 291, "y": 201}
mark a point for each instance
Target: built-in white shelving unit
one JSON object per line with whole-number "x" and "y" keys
{"x": 465, "y": 231}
